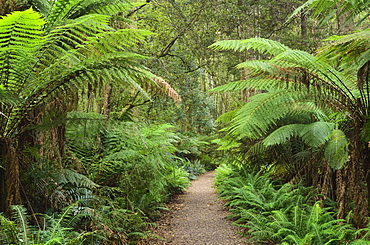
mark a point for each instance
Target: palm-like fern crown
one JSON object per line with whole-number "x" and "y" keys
{"x": 294, "y": 79}
{"x": 41, "y": 58}
{"x": 295, "y": 70}
{"x": 300, "y": 83}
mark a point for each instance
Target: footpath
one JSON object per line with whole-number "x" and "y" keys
{"x": 196, "y": 217}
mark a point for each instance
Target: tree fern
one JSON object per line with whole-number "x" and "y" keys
{"x": 292, "y": 67}
{"x": 329, "y": 10}
{"x": 61, "y": 58}
{"x": 294, "y": 77}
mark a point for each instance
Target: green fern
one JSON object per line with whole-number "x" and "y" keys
{"x": 247, "y": 120}
{"x": 329, "y": 10}
{"x": 298, "y": 84}
{"x": 8, "y": 231}
{"x": 54, "y": 230}
{"x": 259, "y": 44}
{"x": 279, "y": 213}
{"x": 44, "y": 65}
{"x": 21, "y": 35}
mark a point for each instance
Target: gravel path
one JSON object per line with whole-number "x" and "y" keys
{"x": 197, "y": 218}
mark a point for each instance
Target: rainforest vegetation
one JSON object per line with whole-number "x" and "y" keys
{"x": 108, "y": 108}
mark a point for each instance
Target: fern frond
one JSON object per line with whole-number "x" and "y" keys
{"x": 113, "y": 7}
{"x": 107, "y": 59}
{"x": 283, "y": 134}
{"x": 69, "y": 177}
{"x": 7, "y": 98}
{"x": 19, "y": 213}
{"x": 317, "y": 133}
{"x": 261, "y": 45}
{"x": 20, "y": 34}
{"x": 329, "y": 9}
{"x": 58, "y": 12}
{"x": 8, "y": 231}
{"x": 352, "y": 50}
{"x": 336, "y": 151}
{"x": 257, "y": 149}
{"x": 171, "y": 92}
{"x": 295, "y": 70}
{"x": 57, "y": 227}
{"x": 271, "y": 106}
{"x": 261, "y": 83}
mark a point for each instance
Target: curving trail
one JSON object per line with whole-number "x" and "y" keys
{"x": 197, "y": 218}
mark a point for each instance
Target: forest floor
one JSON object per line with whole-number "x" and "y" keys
{"x": 196, "y": 217}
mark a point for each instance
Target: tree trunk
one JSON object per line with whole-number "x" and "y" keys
{"x": 351, "y": 180}
{"x": 303, "y": 18}
{"x": 107, "y": 98}
{"x": 10, "y": 181}
{"x": 358, "y": 178}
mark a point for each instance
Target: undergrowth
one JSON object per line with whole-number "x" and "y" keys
{"x": 272, "y": 212}
{"x": 116, "y": 181}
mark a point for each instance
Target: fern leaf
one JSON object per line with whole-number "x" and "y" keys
{"x": 57, "y": 226}
{"x": 283, "y": 134}
{"x": 317, "y": 133}
{"x": 257, "y": 149}
{"x": 252, "y": 83}
{"x": 336, "y": 151}
{"x": 20, "y": 34}
{"x": 20, "y": 213}
{"x": 270, "y": 106}
{"x": 167, "y": 88}
{"x": 69, "y": 177}
{"x": 114, "y": 7}
{"x": 330, "y": 9}
{"x": 351, "y": 49}
{"x": 8, "y": 231}
{"x": 259, "y": 44}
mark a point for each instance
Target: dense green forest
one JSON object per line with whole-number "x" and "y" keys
{"x": 108, "y": 108}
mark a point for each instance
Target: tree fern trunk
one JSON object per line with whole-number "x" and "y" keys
{"x": 351, "y": 180}
{"x": 10, "y": 191}
{"x": 6, "y": 6}
{"x": 358, "y": 178}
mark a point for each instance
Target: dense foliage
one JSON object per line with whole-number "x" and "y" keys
{"x": 312, "y": 110}
{"x": 277, "y": 213}
{"x": 108, "y": 108}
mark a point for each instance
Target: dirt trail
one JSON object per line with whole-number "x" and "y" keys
{"x": 197, "y": 218}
